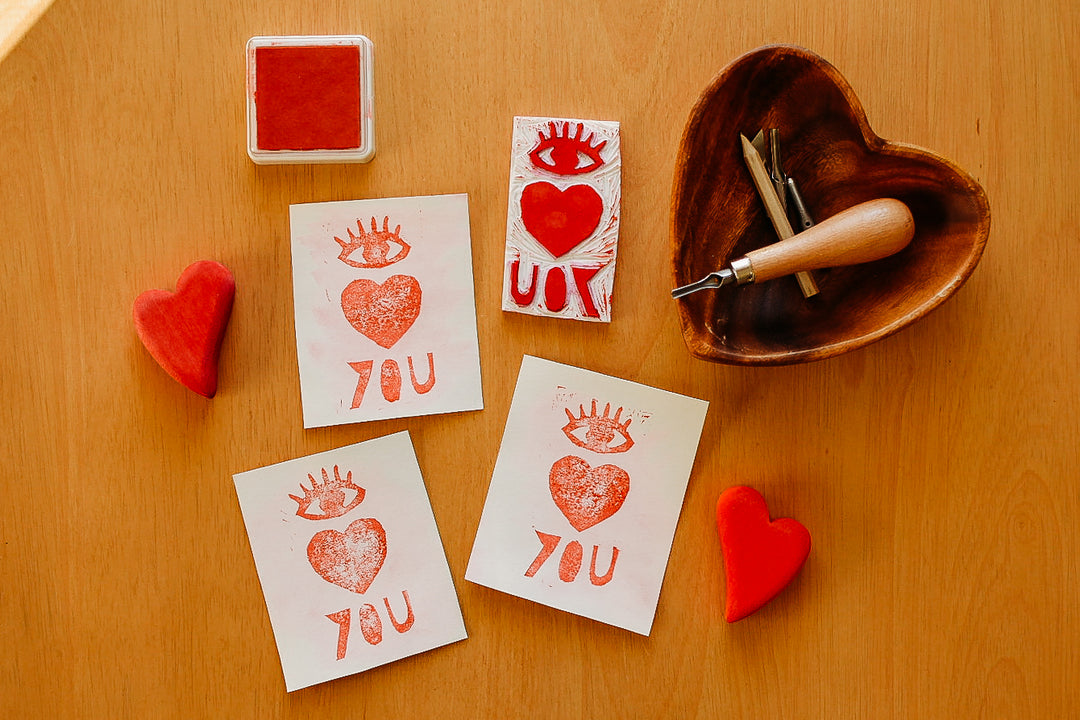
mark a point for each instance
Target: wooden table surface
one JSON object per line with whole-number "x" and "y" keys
{"x": 937, "y": 470}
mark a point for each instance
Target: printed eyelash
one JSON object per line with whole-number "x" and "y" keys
{"x": 600, "y": 430}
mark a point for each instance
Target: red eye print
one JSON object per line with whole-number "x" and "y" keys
{"x": 374, "y": 246}
{"x": 566, "y": 155}
{"x": 599, "y": 431}
{"x": 333, "y": 498}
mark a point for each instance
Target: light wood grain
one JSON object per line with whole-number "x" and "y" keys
{"x": 936, "y": 470}
{"x": 16, "y": 17}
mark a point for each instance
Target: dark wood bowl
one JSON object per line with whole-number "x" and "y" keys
{"x": 828, "y": 147}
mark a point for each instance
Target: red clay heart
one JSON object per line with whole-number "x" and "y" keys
{"x": 560, "y": 219}
{"x": 760, "y": 557}
{"x": 587, "y": 495}
{"x": 382, "y": 312}
{"x": 349, "y": 559}
{"x": 183, "y": 330}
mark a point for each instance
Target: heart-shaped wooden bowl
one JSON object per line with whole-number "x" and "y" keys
{"x": 837, "y": 160}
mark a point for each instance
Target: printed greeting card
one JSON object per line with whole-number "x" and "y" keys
{"x": 384, "y": 308}
{"x": 586, "y": 493}
{"x": 562, "y": 223}
{"x": 350, "y": 560}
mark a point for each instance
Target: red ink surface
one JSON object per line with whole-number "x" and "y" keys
{"x": 407, "y": 623}
{"x": 760, "y": 556}
{"x": 370, "y": 624}
{"x": 600, "y": 431}
{"x": 564, "y": 154}
{"x": 350, "y": 559}
{"x": 587, "y": 495}
{"x": 549, "y": 542}
{"x": 363, "y": 370}
{"x": 570, "y": 563}
{"x": 560, "y": 219}
{"x": 307, "y": 98}
{"x": 375, "y": 246}
{"x": 383, "y": 312}
{"x": 333, "y": 498}
{"x": 582, "y": 276}
{"x": 425, "y": 387}
{"x": 343, "y": 618}
{"x": 390, "y": 380}
{"x": 555, "y": 289}
{"x": 183, "y": 330}
{"x": 604, "y": 579}
{"x": 524, "y": 299}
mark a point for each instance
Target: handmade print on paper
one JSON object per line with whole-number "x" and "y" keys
{"x": 586, "y": 493}
{"x": 562, "y": 226}
{"x": 349, "y": 557}
{"x": 385, "y": 316}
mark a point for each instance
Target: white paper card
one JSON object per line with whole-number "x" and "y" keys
{"x": 586, "y": 493}
{"x": 350, "y": 560}
{"x": 384, "y": 309}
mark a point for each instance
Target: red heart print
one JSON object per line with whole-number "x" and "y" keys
{"x": 349, "y": 559}
{"x": 760, "y": 556}
{"x": 183, "y": 330}
{"x": 382, "y": 312}
{"x": 587, "y": 495}
{"x": 560, "y": 219}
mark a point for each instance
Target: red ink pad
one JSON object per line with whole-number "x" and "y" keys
{"x": 310, "y": 99}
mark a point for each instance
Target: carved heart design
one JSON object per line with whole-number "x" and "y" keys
{"x": 183, "y": 330}
{"x": 349, "y": 559}
{"x": 838, "y": 162}
{"x": 587, "y": 495}
{"x": 560, "y": 219}
{"x": 382, "y": 312}
{"x": 760, "y": 556}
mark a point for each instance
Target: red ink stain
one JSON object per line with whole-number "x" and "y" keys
{"x": 604, "y": 579}
{"x": 565, "y": 155}
{"x": 307, "y": 97}
{"x": 333, "y": 498}
{"x": 374, "y": 246}
{"x": 560, "y": 219}
{"x": 350, "y": 559}
{"x": 582, "y": 276}
{"x": 555, "y": 289}
{"x": 403, "y": 626}
{"x": 524, "y": 299}
{"x": 390, "y": 380}
{"x": 383, "y": 312}
{"x": 600, "y": 431}
{"x": 343, "y": 618}
{"x": 363, "y": 369}
{"x": 370, "y": 624}
{"x": 587, "y": 495}
{"x": 423, "y": 389}
{"x": 571, "y": 561}
{"x": 549, "y": 542}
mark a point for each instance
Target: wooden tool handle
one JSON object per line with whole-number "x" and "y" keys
{"x": 869, "y": 231}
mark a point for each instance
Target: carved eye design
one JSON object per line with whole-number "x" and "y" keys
{"x": 375, "y": 246}
{"x": 599, "y": 432}
{"x": 566, "y": 155}
{"x": 332, "y": 498}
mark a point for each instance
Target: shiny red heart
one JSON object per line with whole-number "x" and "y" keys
{"x": 587, "y": 495}
{"x": 183, "y": 330}
{"x": 383, "y": 312}
{"x": 349, "y": 559}
{"x": 560, "y": 219}
{"x": 760, "y": 556}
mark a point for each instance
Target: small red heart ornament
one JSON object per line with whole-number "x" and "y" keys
{"x": 349, "y": 559}
{"x": 587, "y": 495}
{"x": 560, "y": 219}
{"x": 183, "y": 330}
{"x": 760, "y": 556}
{"x": 383, "y": 312}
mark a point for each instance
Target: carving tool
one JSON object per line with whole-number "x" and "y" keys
{"x": 868, "y": 231}
{"x": 773, "y": 206}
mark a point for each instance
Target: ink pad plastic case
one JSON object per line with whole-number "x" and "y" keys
{"x": 310, "y": 99}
